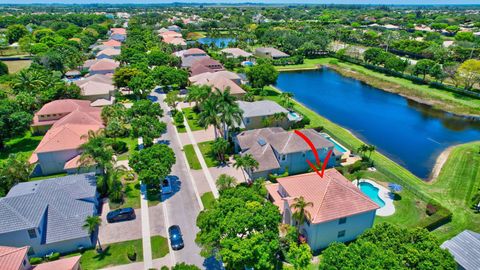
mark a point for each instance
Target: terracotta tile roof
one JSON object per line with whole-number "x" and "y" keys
{"x": 66, "y": 133}
{"x": 112, "y": 43}
{"x": 93, "y": 88}
{"x": 189, "y": 52}
{"x": 211, "y": 75}
{"x": 236, "y": 52}
{"x": 333, "y": 196}
{"x": 170, "y": 34}
{"x": 63, "y": 106}
{"x": 104, "y": 65}
{"x": 11, "y": 258}
{"x": 109, "y": 52}
{"x": 221, "y": 84}
{"x": 71, "y": 263}
{"x": 119, "y": 31}
{"x": 174, "y": 40}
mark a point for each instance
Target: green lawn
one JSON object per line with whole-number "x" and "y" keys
{"x": 22, "y": 145}
{"x": 47, "y": 176}
{"x": 455, "y": 186}
{"x": 207, "y": 200}
{"x": 210, "y": 158}
{"x": 191, "y": 119}
{"x": 132, "y": 144}
{"x": 113, "y": 254}
{"x": 17, "y": 65}
{"x": 131, "y": 196}
{"x": 191, "y": 157}
{"x": 307, "y": 64}
{"x": 461, "y": 169}
{"x": 159, "y": 246}
{"x": 312, "y": 266}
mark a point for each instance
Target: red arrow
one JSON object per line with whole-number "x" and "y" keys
{"x": 315, "y": 153}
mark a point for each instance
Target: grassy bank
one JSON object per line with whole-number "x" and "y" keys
{"x": 439, "y": 99}
{"x": 457, "y": 171}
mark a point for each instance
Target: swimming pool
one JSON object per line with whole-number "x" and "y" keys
{"x": 336, "y": 145}
{"x": 372, "y": 192}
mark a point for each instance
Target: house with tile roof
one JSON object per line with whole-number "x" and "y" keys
{"x": 263, "y": 113}
{"x": 339, "y": 211}
{"x": 270, "y": 52}
{"x": 103, "y": 66}
{"x": 14, "y": 258}
{"x": 235, "y": 53}
{"x": 97, "y": 87}
{"x": 48, "y": 215}
{"x": 108, "y": 53}
{"x": 465, "y": 248}
{"x": 67, "y": 123}
{"x": 278, "y": 151}
{"x": 212, "y": 75}
{"x": 206, "y": 64}
{"x": 222, "y": 83}
{"x": 112, "y": 43}
{"x": 190, "y": 52}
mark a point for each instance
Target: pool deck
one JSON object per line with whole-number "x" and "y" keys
{"x": 388, "y": 209}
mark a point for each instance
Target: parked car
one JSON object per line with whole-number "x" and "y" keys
{"x": 176, "y": 240}
{"x": 167, "y": 185}
{"x": 121, "y": 215}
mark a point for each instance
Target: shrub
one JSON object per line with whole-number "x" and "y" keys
{"x": 132, "y": 253}
{"x": 3, "y": 68}
{"x": 53, "y": 257}
{"x": 333, "y": 62}
{"x": 35, "y": 260}
{"x": 130, "y": 176}
{"x": 119, "y": 147}
{"x": 178, "y": 118}
{"x": 164, "y": 268}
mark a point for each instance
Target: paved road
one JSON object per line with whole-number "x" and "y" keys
{"x": 181, "y": 207}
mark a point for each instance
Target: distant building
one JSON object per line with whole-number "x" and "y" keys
{"x": 270, "y": 53}
{"x": 112, "y": 43}
{"x": 278, "y": 151}
{"x": 212, "y": 75}
{"x": 48, "y": 215}
{"x": 235, "y": 53}
{"x": 221, "y": 83}
{"x": 103, "y": 66}
{"x": 108, "y": 53}
{"x": 205, "y": 65}
{"x": 465, "y": 248}
{"x": 190, "y": 52}
{"x": 340, "y": 211}
{"x": 174, "y": 28}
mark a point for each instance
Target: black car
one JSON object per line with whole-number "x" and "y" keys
{"x": 121, "y": 215}
{"x": 176, "y": 240}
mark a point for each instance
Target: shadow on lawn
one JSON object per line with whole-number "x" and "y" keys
{"x": 101, "y": 255}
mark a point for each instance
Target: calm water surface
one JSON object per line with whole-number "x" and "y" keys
{"x": 410, "y": 133}
{"x": 220, "y": 42}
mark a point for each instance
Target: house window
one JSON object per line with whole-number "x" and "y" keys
{"x": 343, "y": 220}
{"x": 284, "y": 157}
{"x": 303, "y": 154}
{"x": 24, "y": 262}
{"x": 247, "y": 120}
{"x": 32, "y": 233}
{"x": 341, "y": 234}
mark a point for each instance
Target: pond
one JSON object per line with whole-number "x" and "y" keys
{"x": 220, "y": 42}
{"x": 408, "y": 132}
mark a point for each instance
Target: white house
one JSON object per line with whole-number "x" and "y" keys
{"x": 340, "y": 211}
{"x": 48, "y": 215}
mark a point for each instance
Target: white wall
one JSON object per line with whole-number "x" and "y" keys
{"x": 53, "y": 162}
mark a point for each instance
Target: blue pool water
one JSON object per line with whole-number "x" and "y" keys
{"x": 408, "y": 132}
{"x": 220, "y": 42}
{"x": 372, "y": 192}
{"x": 337, "y": 146}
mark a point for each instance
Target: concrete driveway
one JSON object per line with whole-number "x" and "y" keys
{"x": 119, "y": 231}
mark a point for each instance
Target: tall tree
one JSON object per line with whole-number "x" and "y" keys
{"x": 13, "y": 170}
{"x": 247, "y": 163}
{"x": 299, "y": 255}
{"x": 469, "y": 73}
{"x": 13, "y": 121}
{"x": 153, "y": 164}
{"x": 97, "y": 150}
{"x": 209, "y": 115}
{"x": 262, "y": 75}
{"x": 91, "y": 224}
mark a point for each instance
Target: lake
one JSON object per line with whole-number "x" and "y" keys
{"x": 408, "y": 132}
{"x": 220, "y": 42}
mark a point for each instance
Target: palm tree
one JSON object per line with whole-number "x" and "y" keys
{"x": 97, "y": 150}
{"x": 278, "y": 117}
{"x": 371, "y": 148}
{"x": 209, "y": 115}
{"x": 198, "y": 94}
{"x": 286, "y": 98}
{"x": 91, "y": 224}
{"x": 225, "y": 181}
{"x": 29, "y": 80}
{"x": 301, "y": 214}
{"x": 219, "y": 148}
{"x": 246, "y": 163}
{"x": 362, "y": 149}
{"x": 229, "y": 111}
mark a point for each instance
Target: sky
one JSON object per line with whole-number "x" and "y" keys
{"x": 382, "y": 2}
